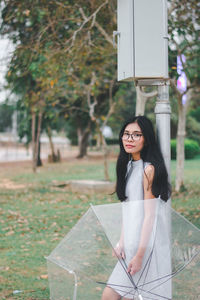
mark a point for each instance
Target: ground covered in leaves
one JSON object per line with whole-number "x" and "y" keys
{"x": 36, "y": 215}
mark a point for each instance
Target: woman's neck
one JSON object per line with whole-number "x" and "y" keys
{"x": 136, "y": 156}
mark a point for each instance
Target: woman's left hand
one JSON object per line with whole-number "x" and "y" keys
{"x": 135, "y": 265}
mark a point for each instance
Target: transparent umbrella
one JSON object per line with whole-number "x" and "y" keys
{"x": 82, "y": 264}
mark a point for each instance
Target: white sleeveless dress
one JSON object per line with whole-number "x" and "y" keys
{"x": 160, "y": 266}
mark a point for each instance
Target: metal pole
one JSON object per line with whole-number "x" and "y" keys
{"x": 163, "y": 112}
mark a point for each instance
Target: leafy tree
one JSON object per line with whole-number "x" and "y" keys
{"x": 183, "y": 24}
{"x": 59, "y": 46}
{"x": 6, "y": 112}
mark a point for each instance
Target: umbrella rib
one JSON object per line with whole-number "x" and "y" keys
{"x": 129, "y": 275}
{"x": 120, "y": 260}
{"x": 153, "y": 294}
{"x": 123, "y": 286}
{"x": 131, "y": 291}
{"x": 171, "y": 275}
{"x": 148, "y": 262}
{"x": 162, "y": 297}
{"x": 137, "y": 287}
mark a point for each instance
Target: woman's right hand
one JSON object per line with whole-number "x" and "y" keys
{"x": 118, "y": 251}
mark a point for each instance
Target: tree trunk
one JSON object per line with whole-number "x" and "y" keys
{"x": 33, "y": 141}
{"x": 53, "y": 154}
{"x": 36, "y": 138}
{"x": 180, "y": 151}
{"x": 79, "y": 135}
{"x": 39, "y": 125}
{"x": 84, "y": 142}
{"x": 39, "y": 161}
{"x": 105, "y": 156}
{"x": 181, "y": 132}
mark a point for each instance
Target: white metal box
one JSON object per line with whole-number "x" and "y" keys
{"x": 142, "y": 39}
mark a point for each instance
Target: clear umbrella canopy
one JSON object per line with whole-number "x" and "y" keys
{"x": 82, "y": 264}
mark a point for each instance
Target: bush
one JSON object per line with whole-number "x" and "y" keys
{"x": 173, "y": 149}
{"x": 113, "y": 141}
{"x": 191, "y": 148}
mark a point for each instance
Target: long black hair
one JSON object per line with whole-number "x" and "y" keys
{"x": 149, "y": 153}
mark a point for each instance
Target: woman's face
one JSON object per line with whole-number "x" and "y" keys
{"x": 133, "y": 140}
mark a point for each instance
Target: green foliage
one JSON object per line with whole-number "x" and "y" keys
{"x": 109, "y": 141}
{"x": 196, "y": 114}
{"x": 125, "y": 99}
{"x": 57, "y": 52}
{"x": 173, "y": 149}
{"x": 173, "y": 63}
{"x": 183, "y": 38}
{"x": 193, "y": 128}
{"x": 192, "y": 148}
{"x": 6, "y": 112}
{"x": 61, "y": 44}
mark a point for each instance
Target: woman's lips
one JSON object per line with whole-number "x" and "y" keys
{"x": 129, "y": 146}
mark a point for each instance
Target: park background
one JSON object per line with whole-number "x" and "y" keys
{"x": 60, "y": 120}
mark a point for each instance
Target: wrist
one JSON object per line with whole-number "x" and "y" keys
{"x": 139, "y": 255}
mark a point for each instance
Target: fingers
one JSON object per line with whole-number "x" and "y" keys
{"x": 132, "y": 272}
{"x": 123, "y": 255}
{"x": 129, "y": 268}
{"x": 132, "y": 269}
{"x": 116, "y": 252}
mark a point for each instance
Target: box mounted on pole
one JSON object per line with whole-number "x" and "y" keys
{"x": 142, "y": 41}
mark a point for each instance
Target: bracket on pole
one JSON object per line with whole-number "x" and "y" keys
{"x": 152, "y": 82}
{"x": 115, "y": 33}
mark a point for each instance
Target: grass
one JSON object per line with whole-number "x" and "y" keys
{"x": 187, "y": 201}
{"x": 36, "y": 215}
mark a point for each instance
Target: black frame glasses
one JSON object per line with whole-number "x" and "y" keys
{"x": 134, "y": 136}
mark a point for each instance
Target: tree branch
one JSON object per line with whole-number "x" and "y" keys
{"x": 148, "y": 95}
{"x": 99, "y": 27}
{"x": 86, "y": 20}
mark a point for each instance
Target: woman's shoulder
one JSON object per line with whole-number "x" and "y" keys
{"x": 149, "y": 169}
{"x": 148, "y": 165}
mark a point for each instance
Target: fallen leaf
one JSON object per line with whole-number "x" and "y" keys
{"x": 9, "y": 233}
{"x": 53, "y": 224}
{"x": 41, "y": 242}
{"x": 45, "y": 276}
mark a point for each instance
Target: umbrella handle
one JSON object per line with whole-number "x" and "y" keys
{"x": 75, "y": 284}
{"x": 140, "y": 297}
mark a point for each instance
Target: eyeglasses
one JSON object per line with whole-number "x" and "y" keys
{"x": 134, "y": 136}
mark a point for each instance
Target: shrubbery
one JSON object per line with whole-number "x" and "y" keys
{"x": 113, "y": 141}
{"x": 191, "y": 148}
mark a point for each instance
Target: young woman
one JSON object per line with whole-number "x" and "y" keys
{"x": 141, "y": 175}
